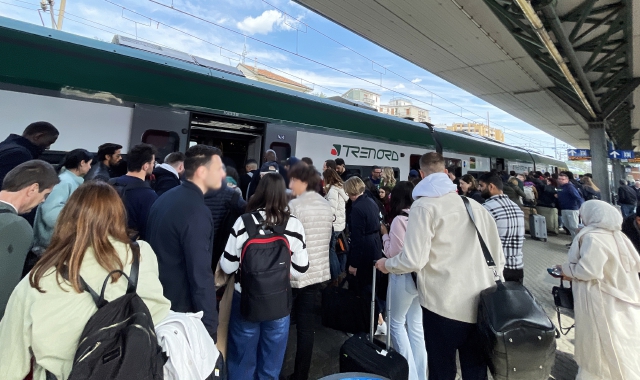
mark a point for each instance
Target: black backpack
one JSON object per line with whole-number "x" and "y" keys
{"x": 119, "y": 340}
{"x": 225, "y": 228}
{"x": 264, "y": 272}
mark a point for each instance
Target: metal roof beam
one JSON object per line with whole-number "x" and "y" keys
{"x": 551, "y": 16}
{"x": 611, "y": 103}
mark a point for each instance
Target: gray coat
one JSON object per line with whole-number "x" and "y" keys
{"x": 16, "y": 237}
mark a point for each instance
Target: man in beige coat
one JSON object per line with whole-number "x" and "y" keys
{"x": 441, "y": 245}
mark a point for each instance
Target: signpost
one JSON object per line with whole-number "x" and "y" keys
{"x": 579, "y": 154}
{"x": 621, "y": 154}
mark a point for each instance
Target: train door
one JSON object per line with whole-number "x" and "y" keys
{"x": 165, "y": 128}
{"x": 455, "y": 165}
{"x": 497, "y": 164}
{"x": 238, "y": 139}
{"x": 282, "y": 140}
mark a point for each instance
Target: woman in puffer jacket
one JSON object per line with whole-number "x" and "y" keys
{"x": 337, "y": 199}
{"x": 317, "y": 219}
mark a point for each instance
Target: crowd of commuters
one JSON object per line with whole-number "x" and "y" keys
{"x": 199, "y": 224}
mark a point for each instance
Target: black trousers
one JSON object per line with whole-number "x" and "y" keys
{"x": 443, "y": 337}
{"x": 515, "y": 275}
{"x": 304, "y": 301}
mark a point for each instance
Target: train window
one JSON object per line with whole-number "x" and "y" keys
{"x": 472, "y": 162}
{"x": 283, "y": 150}
{"x": 165, "y": 141}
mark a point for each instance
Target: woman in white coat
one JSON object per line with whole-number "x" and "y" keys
{"x": 337, "y": 199}
{"x": 604, "y": 266}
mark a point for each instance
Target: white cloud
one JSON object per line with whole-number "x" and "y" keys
{"x": 417, "y": 80}
{"x": 399, "y": 86}
{"x": 262, "y": 24}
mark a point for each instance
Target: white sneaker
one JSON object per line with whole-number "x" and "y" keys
{"x": 382, "y": 329}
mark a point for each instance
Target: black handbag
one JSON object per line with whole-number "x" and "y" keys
{"x": 563, "y": 298}
{"x": 517, "y": 335}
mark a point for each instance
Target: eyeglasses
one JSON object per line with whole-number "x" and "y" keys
{"x": 377, "y": 172}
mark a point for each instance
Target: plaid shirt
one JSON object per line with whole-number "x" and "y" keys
{"x": 510, "y": 221}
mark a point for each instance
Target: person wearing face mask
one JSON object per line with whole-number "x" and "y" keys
{"x": 23, "y": 189}
{"x": 75, "y": 166}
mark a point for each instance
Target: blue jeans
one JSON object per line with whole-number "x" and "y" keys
{"x": 627, "y": 210}
{"x": 334, "y": 262}
{"x": 255, "y": 349}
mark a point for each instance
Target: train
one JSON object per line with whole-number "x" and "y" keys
{"x": 128, "y": 91}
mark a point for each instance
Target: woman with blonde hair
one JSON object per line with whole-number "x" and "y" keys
{"x": 590, "y": 190}
{"x": 388, "y": 178}
{"x": 603, "y": 266}
{"x": 48, "y": 310}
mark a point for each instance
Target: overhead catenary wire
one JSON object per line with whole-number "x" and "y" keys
{"x": 514, "y": 134}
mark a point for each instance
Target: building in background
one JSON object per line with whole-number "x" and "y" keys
{"x": 266, "y": 76}
{"x": 367, "y": 97}
{"x": 402, "y": 107}
{"x": 478, "y": 129}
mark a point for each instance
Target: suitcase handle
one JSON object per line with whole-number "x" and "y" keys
{"x": 373, "y": 310}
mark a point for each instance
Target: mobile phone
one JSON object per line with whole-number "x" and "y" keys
{"x": 555, "y": 272}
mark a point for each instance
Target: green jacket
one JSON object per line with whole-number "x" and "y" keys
{"x": 16, "y": 237}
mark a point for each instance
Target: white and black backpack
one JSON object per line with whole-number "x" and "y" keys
{"x": 119, "y": 340}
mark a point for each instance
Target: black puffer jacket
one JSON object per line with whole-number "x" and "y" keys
{"x": 218, "y": 202}
{"x": 366, "y": 244}
{"x": 98, "y": 172}
{"x": 14, "y": 151}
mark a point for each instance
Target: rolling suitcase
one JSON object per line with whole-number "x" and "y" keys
{"x": 344, "y": 309}
{"x": 360, "y": 354}
{"x": 538, "y": 227}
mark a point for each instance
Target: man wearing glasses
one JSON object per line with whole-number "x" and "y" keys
{"x": 376, "y": 175}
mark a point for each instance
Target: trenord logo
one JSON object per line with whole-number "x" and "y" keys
{"x": 364, "y": 152}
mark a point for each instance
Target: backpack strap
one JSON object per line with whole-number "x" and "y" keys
{"x": 250, "y": 225}
{"x": 135, "y": 268}
{"x": 83, "y": 286}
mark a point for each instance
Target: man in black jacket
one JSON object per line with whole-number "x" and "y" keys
{"x": 35, "y": 139}
{"x": 180, "y": 231}
{"x": 109, "y": 155}
{"x": 631, "y": 228}
{"x": 167, "y": 175}
{"x": 627, "y": 199}
{"x": 226, "y": 205}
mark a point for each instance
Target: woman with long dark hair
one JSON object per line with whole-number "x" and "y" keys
{"x": 407, "y": 333}
{"x": 469, "y": 186}
{"x": 74, "y": 167}
{"x": 256, "y": 349}
{"x": 47, "y": 311}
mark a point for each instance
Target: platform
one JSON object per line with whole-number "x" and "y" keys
{"x": 538, "y": 256}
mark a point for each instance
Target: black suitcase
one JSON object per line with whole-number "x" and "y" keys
{"x": 344, "y": 309}
{"x": 360, "y": 354}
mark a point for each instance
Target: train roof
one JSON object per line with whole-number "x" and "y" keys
{"x": 54, "y": 60}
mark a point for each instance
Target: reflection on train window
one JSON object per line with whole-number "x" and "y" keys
{"x": 283, "y": 150}
{"x": 414, "y": 162}
{"x": 472, "y": 162}
{"x": 166, "y": 142}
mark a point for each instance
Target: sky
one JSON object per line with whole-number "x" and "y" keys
{"x": 286, "y": 38}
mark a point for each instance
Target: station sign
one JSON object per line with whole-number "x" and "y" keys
{"x": 579, "y": 154}
{"x": 632, "y": 160}
{"x": 621, "y": 154}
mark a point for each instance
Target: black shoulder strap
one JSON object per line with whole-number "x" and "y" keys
{"x": 485, "y": 251}
{"x": 83, "y": 286}
{"x": 404, "y": 214}
{"x": 250, "y": 224}
{"x": 281, "y": 228}
{"x": 135, "y": 268}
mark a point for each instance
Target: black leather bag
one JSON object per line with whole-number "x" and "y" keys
{"x": 518, "y": 336}
{"x": 563, "y": 299}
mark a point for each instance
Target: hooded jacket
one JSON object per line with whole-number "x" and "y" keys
{"x": 166, "y": 178}
{"x": 441, "y": 245}
{"x": 14, "y": 151}
{"x": 48, "y": 212}
{"x": 338, "y": 199}
{"x": 317, "y": 219}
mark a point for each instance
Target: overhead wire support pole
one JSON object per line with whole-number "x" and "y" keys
{"x": 63, "y": 5}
